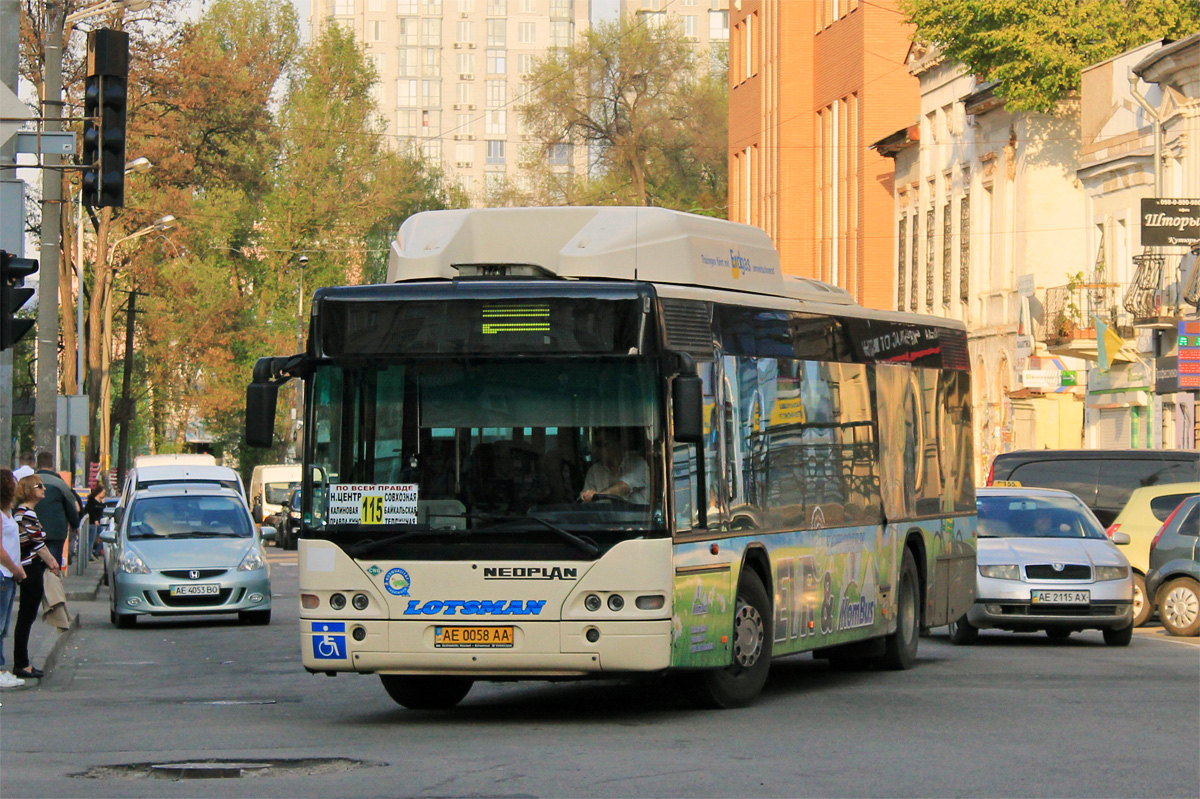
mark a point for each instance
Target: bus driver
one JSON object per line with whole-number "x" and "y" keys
{"x": 615, "y": 471}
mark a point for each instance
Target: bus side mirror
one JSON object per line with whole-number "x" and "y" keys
{"x": 260, "y": 414}
{"x": 687, "y": 406}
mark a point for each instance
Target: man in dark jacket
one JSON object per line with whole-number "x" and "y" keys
{"x": 59, "y": 509}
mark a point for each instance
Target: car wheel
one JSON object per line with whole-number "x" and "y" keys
{"x": 1058, "y": 634}
{"x": 255, "y": 617}
{"x": 737, "y": 684}
{"x": 1142, "y": 606}
{"x": 962, "y": 632}
{"x": 901, "y": 651}
{"x": 291, "y": 538}
{"x": 124, "y": 620}
{"x": 426, "y": 693}
{"x": 1120, "y": 637}
{"x": 1179, "y": 606}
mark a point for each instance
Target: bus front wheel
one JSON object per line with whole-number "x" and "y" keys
{"x": 426, "y": 693}
{"x": 737, "y": 684}
{"x": 901, "y": 649}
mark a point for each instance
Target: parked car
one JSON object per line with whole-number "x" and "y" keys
{"x": 1174, "y": 575}
{"x": 287, "y": 522}
{"x": 190, "y": 549}
{"x": 1140, "y": 519}
{"x": 1044, "y": 563}
{"x": 1102, "y": 478}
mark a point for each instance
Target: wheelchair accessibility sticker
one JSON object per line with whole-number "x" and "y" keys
{"x": 329, "y": 640}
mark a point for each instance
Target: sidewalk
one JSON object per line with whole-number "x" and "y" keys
{"x": 45, "y": 642}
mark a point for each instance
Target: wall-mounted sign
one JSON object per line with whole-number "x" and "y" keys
{"x": 1170, "y": 222}
{"x": 1189, "y": 356}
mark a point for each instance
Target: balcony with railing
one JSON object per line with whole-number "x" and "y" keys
{"x": 1068, "y": 326}
{"x": 1156, "y": 298}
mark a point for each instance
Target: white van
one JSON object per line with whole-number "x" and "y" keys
{"x": 151, "y": 470}
{"x": 270, "y": 487}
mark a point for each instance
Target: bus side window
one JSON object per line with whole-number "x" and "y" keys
{"x": 686, "y": 484}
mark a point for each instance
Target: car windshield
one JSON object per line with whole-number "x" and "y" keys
{"x": 278, "y": 493}
{"x": 188, "y": 516}
{"x": 1029, "y": 516}
{"x": 474, "y": 450}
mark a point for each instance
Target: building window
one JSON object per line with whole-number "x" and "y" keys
{"x": 431, "y": 123}
{"x": 464, "y": 124}
{"x": 376, "y": 30}
{"x": 431, "y": 93}
{"x": 560, "y": 33}
{"x": 526, "y": 32}
{"x": 718, "y": 26}
{"x": 497, "y": 62}
{"x": 525, "y": 63}
{"x": 433, "y": 63}
{"x": 406, "y": 93}
{"x": 528, "y": 6}
{"x": 497, "y": 8}
{"x": 406, "y": 6}
{"x": 343, "y": 8}
{"x": 465, "y": 63}
{"x": 947, "y": 241}
{"x": 495, "y": 152}
{"x": 466, "y": 6}
{"x": 464, "y": 154}
{"x": 464, "y": 93}
{"x": 929, "y": 227}
{"x": 560, "y": 8}
{"x": 407, "y": 31}
{"x": 497, "y": 30}
{"x": 432, "y": 151}
{"x": 406, "y": 62}
{"x": 462, "y": 31}
{"x": 913, "y": 259}
{"x": 406, "y": 122}
{"x": 902, "y": 241}
{"x": 431, "y": 31}
{"x": 495, "y": 124}
{"x": 496, "y": 94}
{"x": 431, "y": 7}
{"x": 559, "y": 154}
{"x": 691, "y": 26}
{"x": 964, "y": 249}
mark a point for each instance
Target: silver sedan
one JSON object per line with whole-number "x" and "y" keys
{"x": 1045, "y": 563}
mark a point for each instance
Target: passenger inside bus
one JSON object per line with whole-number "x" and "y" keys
{"x": 615, "y": 471}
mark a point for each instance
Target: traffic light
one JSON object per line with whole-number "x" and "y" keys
{"x": 105, "y": 97}
{"x": 13, "y": 295}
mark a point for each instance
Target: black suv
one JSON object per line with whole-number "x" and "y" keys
{"x": 1102, "y": 478}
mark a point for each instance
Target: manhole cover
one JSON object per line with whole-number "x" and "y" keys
{"x": 225, "y": 769}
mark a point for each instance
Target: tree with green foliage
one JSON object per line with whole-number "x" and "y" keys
{"x": 1036, "y": 49}
{"x": 645, "y": 107}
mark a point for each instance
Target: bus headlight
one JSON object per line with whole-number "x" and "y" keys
{"x": 592, "y": 602}
{"x": 360, "y": 601}
{"x": 337, "y": 601}
{"x": 616, "y": 602}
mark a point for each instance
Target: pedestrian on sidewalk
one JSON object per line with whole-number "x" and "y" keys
{"x": 94, "y": 510}
{"x": 36, "y": 559}
{"x": 58, "y": 510}
{"x": 11, "y": 571}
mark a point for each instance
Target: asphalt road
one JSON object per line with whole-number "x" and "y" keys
{"x": 1011, "y": 716}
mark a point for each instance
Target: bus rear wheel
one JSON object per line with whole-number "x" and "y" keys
{"x": 426, "y": 693}
{"x": 737, "y": 684}
{"x": 901, "y": 646}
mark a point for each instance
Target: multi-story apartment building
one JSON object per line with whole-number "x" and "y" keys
{"x": 812, "y": 84}
{"x": 703, "y": 22}
{"x": 452, "y": 74}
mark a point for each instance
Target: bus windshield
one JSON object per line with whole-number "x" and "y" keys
{"x": 472, "y": 457}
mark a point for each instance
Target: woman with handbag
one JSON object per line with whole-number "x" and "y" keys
{"x": 35, "y": 559}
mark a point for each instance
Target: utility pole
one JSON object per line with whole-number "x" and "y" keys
{"x": 127, "y": 405}
{"x": 45, "y": 420}
{"x": 10, "y": 28}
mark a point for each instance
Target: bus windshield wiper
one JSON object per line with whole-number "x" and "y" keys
{"x": 584, "y": 545}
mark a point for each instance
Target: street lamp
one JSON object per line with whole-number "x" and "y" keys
{"x": 164, "y": 222}
{"x": 104, "y": 7}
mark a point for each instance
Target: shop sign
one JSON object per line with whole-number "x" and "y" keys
{"x": 1170, "y": 222}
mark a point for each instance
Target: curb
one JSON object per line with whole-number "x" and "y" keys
{"x": 51, "y": 660}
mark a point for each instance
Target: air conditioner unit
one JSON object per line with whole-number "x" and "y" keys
{"x": 457, "y": 106}
{"x": 471, "y": 45}
{"x": 464, "y": 15}
{"x": 458, "y": 45}
{"x": 525, "y": 76}
{"x": 466, "y": 76}
{"x": 693, "y": 38}
{"x": 457, "y": 136}
{"x": 470, "y": 106}
{"x": 464, "y": 164}
{"x": 469, "y": 136}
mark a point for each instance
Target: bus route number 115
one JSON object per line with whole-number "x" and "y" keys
{"x": 372, "y": 509}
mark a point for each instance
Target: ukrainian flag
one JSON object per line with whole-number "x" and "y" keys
{"x": 1108, "y": 343}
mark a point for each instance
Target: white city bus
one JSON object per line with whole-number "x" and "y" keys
{"x": 794, "y": 469}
